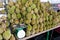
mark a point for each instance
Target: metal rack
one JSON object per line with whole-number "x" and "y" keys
{"x": 40, "y": 33}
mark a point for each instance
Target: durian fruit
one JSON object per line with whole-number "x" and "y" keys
{"x": 44, "y": 28}
{"x": 13, "y": 8}
{"x": 33, "y": 6}
{"x": 23, "y": 9}
{"x": 27, "y": 21}
{"x": 41, "y": 27}
{"x": 35, "y": 1}
{"x": 36, "y": 10}
{"x": 55, "y": 21}
{"x": 10, "y": 11}
{"x": 23, "y": 1}
{"x": 41, "y": 20}
{"x": 24, "y": 13}
{"x": 50, "y": 17}
{"x": 29, "y": 16}
{"x": 12, "y": 37}
{"x": 21, "y": 20}
{"x": 11, "y": 3}
{"x": 7, "y": 24}
{"x": 37, "y": 30}
{"x": 35, "y": 26}
{"x": 29, "y": 27}
{"x": 8, "y": 7}
{"x": 19, "y": 2}
{"x": 30, "y": 2}
{"x": 32, "y": 11}
{"x": 27, "y": 4}
{"x": 33, "y": 21}
{"x": 47, "y": 4}
{"x": 33, "y": 16}
{"x": 14, "y": 16}
{"x": 28, "y": 33}
{"x": 7, "y": 34}
{"x": 1, "y": 30}
{"x": 17, "y": 10}
{"x": 16, "y": 21}
{"x": 37, "y": 19}
{"x": 33, "y": 31}
{"x": 4, "y": 26}
{"x": 28, "y": 9}
{"x": 1, "y": 38}
{"x": 4, "y": 17}
{"x": 17, "y": 5}
{"x": 45, "y": 23}
{"x": 18, "y": 15}
{"x": 11, "y": 20}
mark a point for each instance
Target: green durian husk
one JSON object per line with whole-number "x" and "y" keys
{"x": 35, "y": 26}
{"x": 27, "y": 21}
{"x": 7, "y": 34}
{"x": 41, "y": 27}
{"x": 17, "y": 5}
{"x": 23, "y": 9}
{"x": 23, "y": 1}
{"x": 13, "y": 7}
{"x": 1, "y": 30}
{"x": 29, "y": 27}
{"x": 18, "y": 15}
{"x": 12, "y": 37}
{"x": 1, "y": 38}
{"x": 29, "y": 9}
{"x": 11, "y": 20}
{"x": 34, "y": 16}
{"x": 7, "y": 24}
{"x": 11, "y": 3}
{"x": 16, "y": 21}
{"x": 27, "y": 4}
{"x": 21, "y": 20}
{"x": 28, "y": 33}
{"x": 8, "y": 7}
{"x": 33, "y": 6}
{"x": 10, "y": 11}
{"x": 36, "y": 10}
{"x": 33, "y": 31}
{"x": 14, "y": 16}
{"x": 24, "y": 13}
{"x": 17, "y": 10}
{"x": 33, "y": 22}
{"x": 29, "y": 16}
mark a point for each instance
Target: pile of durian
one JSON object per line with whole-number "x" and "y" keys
{"x": 5, "y": 32}
{"x": 33, "y": 13}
